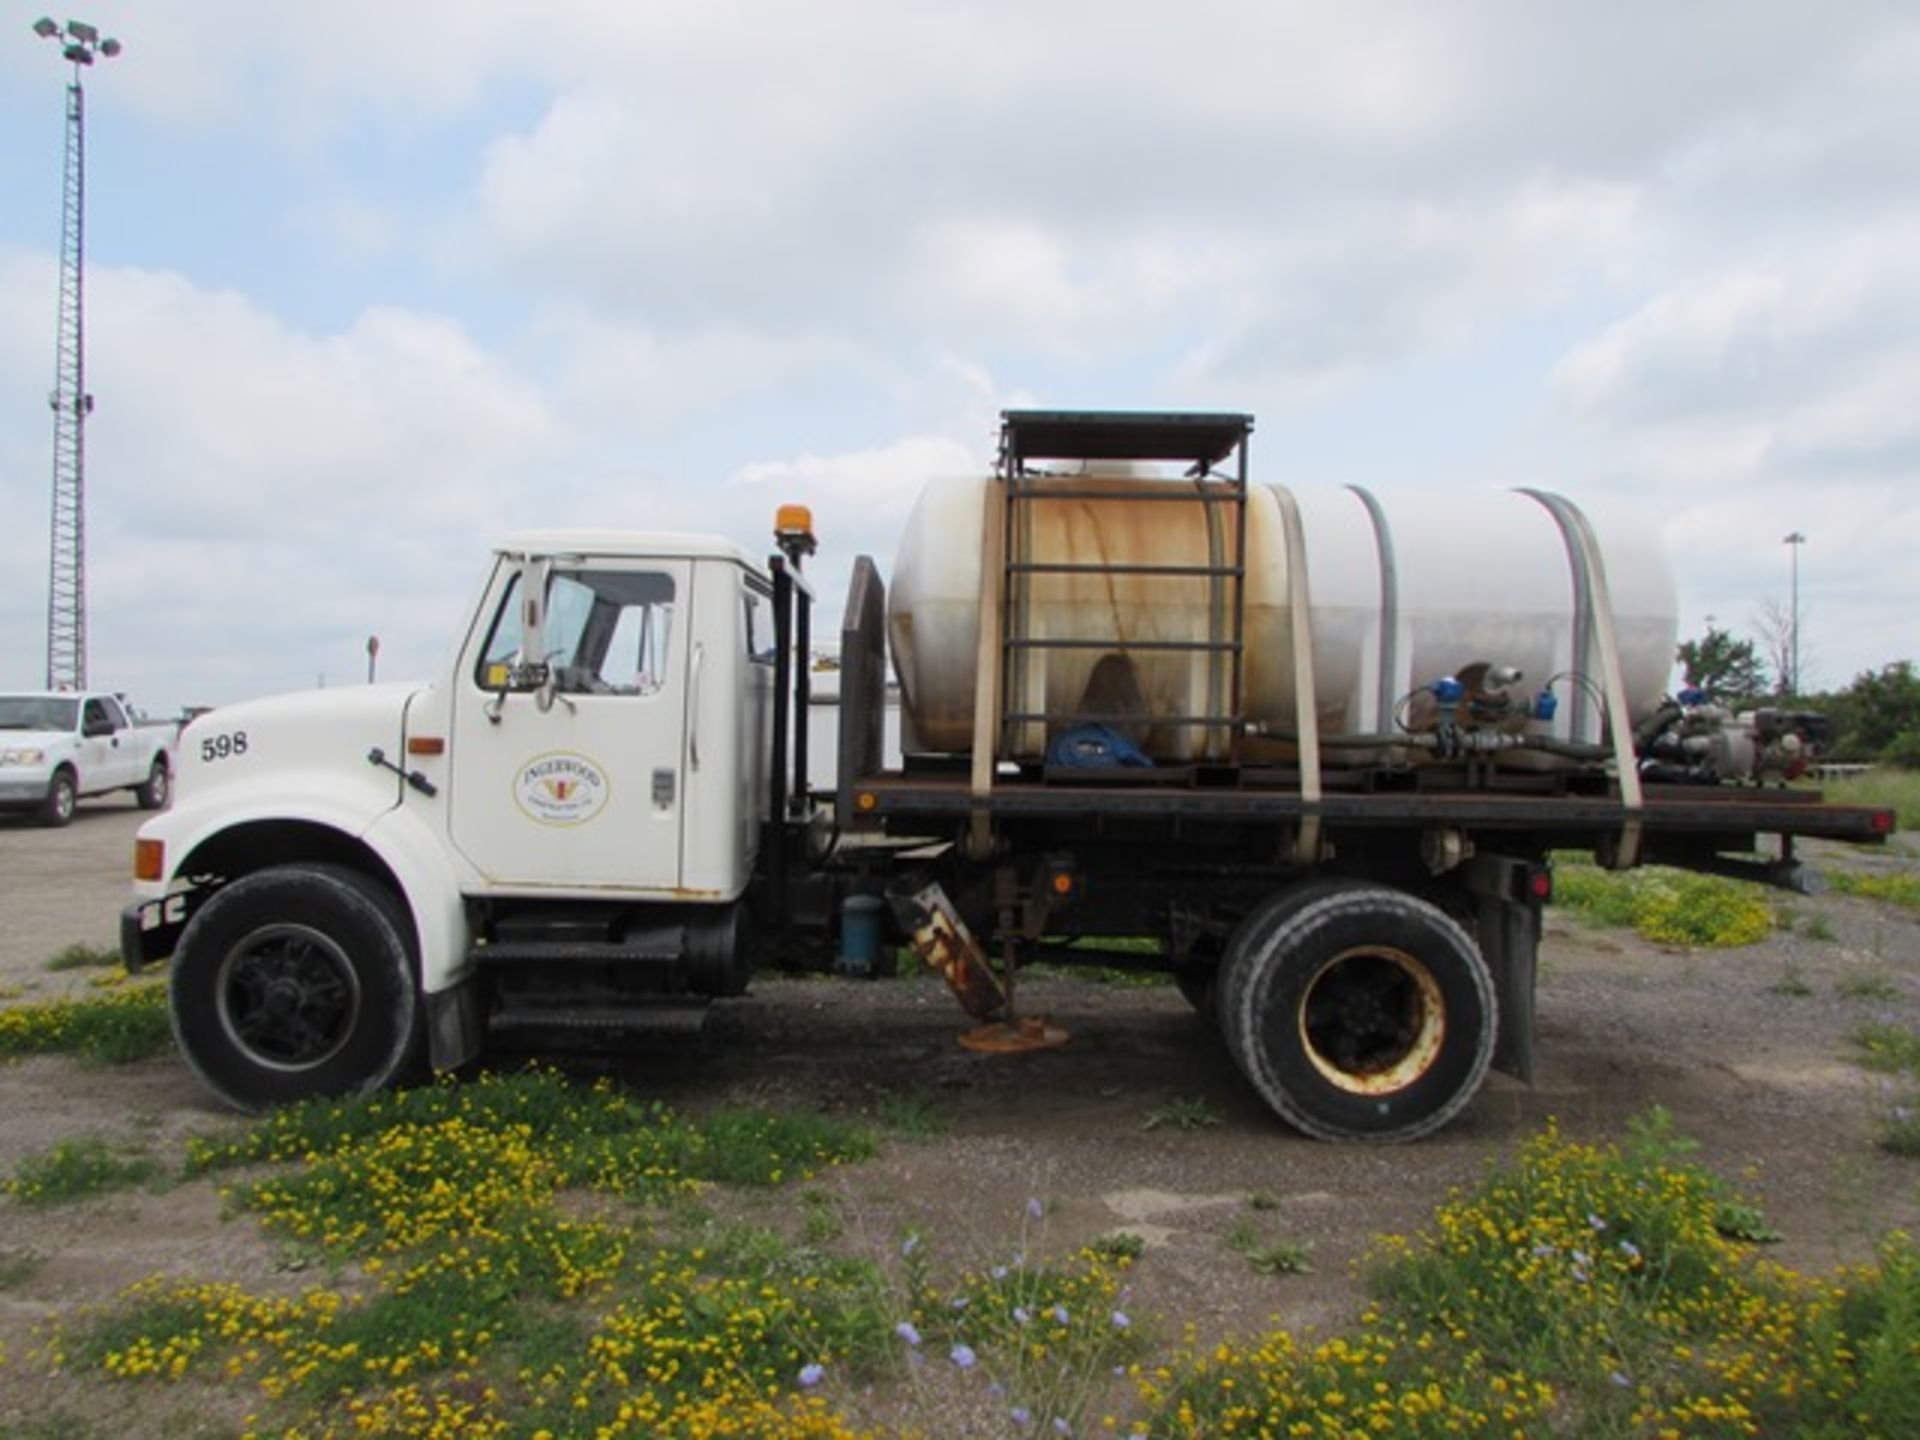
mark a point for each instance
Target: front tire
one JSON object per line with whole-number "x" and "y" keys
{"x": 1359, "y": 1013}
{"x": 63, "y": 795}
{"x": 159, "y": 784}
{"x": 296, "y": 982}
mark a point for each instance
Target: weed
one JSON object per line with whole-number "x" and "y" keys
{"x": 1280, "y": 1257}
{"x": 129, "y": 1024}
{"x": 1791, "y": 982}
{"x": 17, "y": 1267}
{"x": 1901, "y": 889}
{"x": 46, "y": 1427}
{"x": 1891, "y": 1049}
{"x": 84, "y": 957}
{"x": 77, "y": 1170}
{"x": 1818, "y": 927}
{"x": 1183, "y": 1114}
{"x": 915, "y": 1117}
{"x": 1900, "y": 1132}
{"x": 1669, "y": 907}
{"x": 1867, "y": 985}
{"x": 1263, "y": 1200}
{"x": 1738, "y": 1220}
{"x": 820, "y": 1221}
{"x": 1119, "y": 1245}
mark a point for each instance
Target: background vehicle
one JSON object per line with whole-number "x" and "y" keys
{"x": 1322, "y": 766}
{"x": 56, "y": 748}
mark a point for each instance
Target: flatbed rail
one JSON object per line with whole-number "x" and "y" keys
{"x": 1671, "y": 811}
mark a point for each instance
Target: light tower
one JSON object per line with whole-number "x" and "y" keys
{"x": 79, "y": 45}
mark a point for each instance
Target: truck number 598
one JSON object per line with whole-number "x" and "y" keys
{"x": 223, "y": 747}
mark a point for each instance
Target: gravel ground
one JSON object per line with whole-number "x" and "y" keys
{"x": 1748, "y": 1049}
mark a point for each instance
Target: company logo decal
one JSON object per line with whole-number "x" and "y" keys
{"x": 561, "y": 789}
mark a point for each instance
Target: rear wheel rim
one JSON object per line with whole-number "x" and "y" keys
{"x": 1372, "y": 1020}
{"x": 287, "y": 997}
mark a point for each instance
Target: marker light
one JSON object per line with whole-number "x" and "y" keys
{"x": 149, "y": 859}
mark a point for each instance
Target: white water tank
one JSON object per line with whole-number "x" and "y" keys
{"x": 1404, "y": 590}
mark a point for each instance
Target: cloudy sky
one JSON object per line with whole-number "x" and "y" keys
{"x": 370, "y": 284}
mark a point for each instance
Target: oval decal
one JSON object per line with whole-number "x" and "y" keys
{"x": 560, "y": 789}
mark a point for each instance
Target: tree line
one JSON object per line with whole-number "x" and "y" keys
{"x": 1875, "y": 718}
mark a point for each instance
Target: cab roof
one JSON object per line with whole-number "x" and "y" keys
{"x": 624, "y": 544}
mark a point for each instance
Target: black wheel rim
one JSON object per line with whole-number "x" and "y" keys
{"x": 288, "y": 997}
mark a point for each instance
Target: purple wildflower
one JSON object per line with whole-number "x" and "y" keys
{"x": 812, "y": 1375}
{"x": 906, "y": 1331}
{"x": 963, "y": 1356}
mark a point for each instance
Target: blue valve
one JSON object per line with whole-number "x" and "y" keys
{"x": 1447, "y": 690}
{"x": 1545, "y": 706}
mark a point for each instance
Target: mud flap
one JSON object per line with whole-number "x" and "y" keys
{"x": 1507, "y": 927}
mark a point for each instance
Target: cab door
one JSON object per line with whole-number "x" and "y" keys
{"x": 107, "y": 760}
{"x": 576, "y": 782}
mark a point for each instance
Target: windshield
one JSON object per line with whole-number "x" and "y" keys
{"x": 37, "y": 712}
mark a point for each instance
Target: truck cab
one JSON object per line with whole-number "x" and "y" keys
{"x": 562, "y": 827}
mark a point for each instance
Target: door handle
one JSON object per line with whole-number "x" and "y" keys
{"x": 693, "y": 705}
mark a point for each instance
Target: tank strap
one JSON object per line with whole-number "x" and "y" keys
{"x": 1306, "y": 703}
{"x": 1591, "y": 595}
{"x": 1389, "y": 690}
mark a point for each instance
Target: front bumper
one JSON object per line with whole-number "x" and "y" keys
{"x": 28, "y": 791}
{"x": 150, "y": 929}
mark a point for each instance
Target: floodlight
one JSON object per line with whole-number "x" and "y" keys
{"x": 83, "y": 32}
{"x": 109, "y": 47}
{"x": 45, "y": 28}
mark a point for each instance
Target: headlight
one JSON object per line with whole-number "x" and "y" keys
{"x": 22, "y": 757}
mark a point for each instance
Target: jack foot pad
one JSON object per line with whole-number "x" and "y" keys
{"x": 1014, "y": 1037}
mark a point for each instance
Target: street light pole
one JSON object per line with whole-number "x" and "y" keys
{"x": 1793, "y": 541}
{"x": 80, "y": 43}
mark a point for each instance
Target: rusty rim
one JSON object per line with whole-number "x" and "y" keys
{"x": 1372, "y": 1020}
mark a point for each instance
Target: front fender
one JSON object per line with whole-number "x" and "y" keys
{"x": 306, "y": 821}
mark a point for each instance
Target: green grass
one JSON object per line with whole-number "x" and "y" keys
{"x": 17, "y": 1267}
{"x": 1867, "y": 985}
{"x": 1184, "y": 1115}
{"x": 513, "y": 1272}
{"x": 1900, "y": 1132}
{"x": 1669, "y": 907}
{"x": 116, "y": 1028}
{"x": 913, "y": 1117}
{"x": 1894, "y": 889}
{"x": 84, "y": 957}
{"x": 1884, "y": 785}
{"x": 1890, "y": 1049}
{"x": 78, "y": 1170}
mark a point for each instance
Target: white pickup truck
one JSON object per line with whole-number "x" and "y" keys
{"x": 57, "y": 747}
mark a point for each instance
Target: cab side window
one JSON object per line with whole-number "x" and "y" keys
{"x": 607, "y": 632}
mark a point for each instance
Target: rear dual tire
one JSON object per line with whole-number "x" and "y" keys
{"x": 1357, "y": 1012}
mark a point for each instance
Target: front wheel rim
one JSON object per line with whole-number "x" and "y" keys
{"x": 287, "y": 997}
{"x": 1372, "y": 1020}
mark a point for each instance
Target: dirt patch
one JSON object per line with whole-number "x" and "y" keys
{"x": 1748, "y": 1049}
